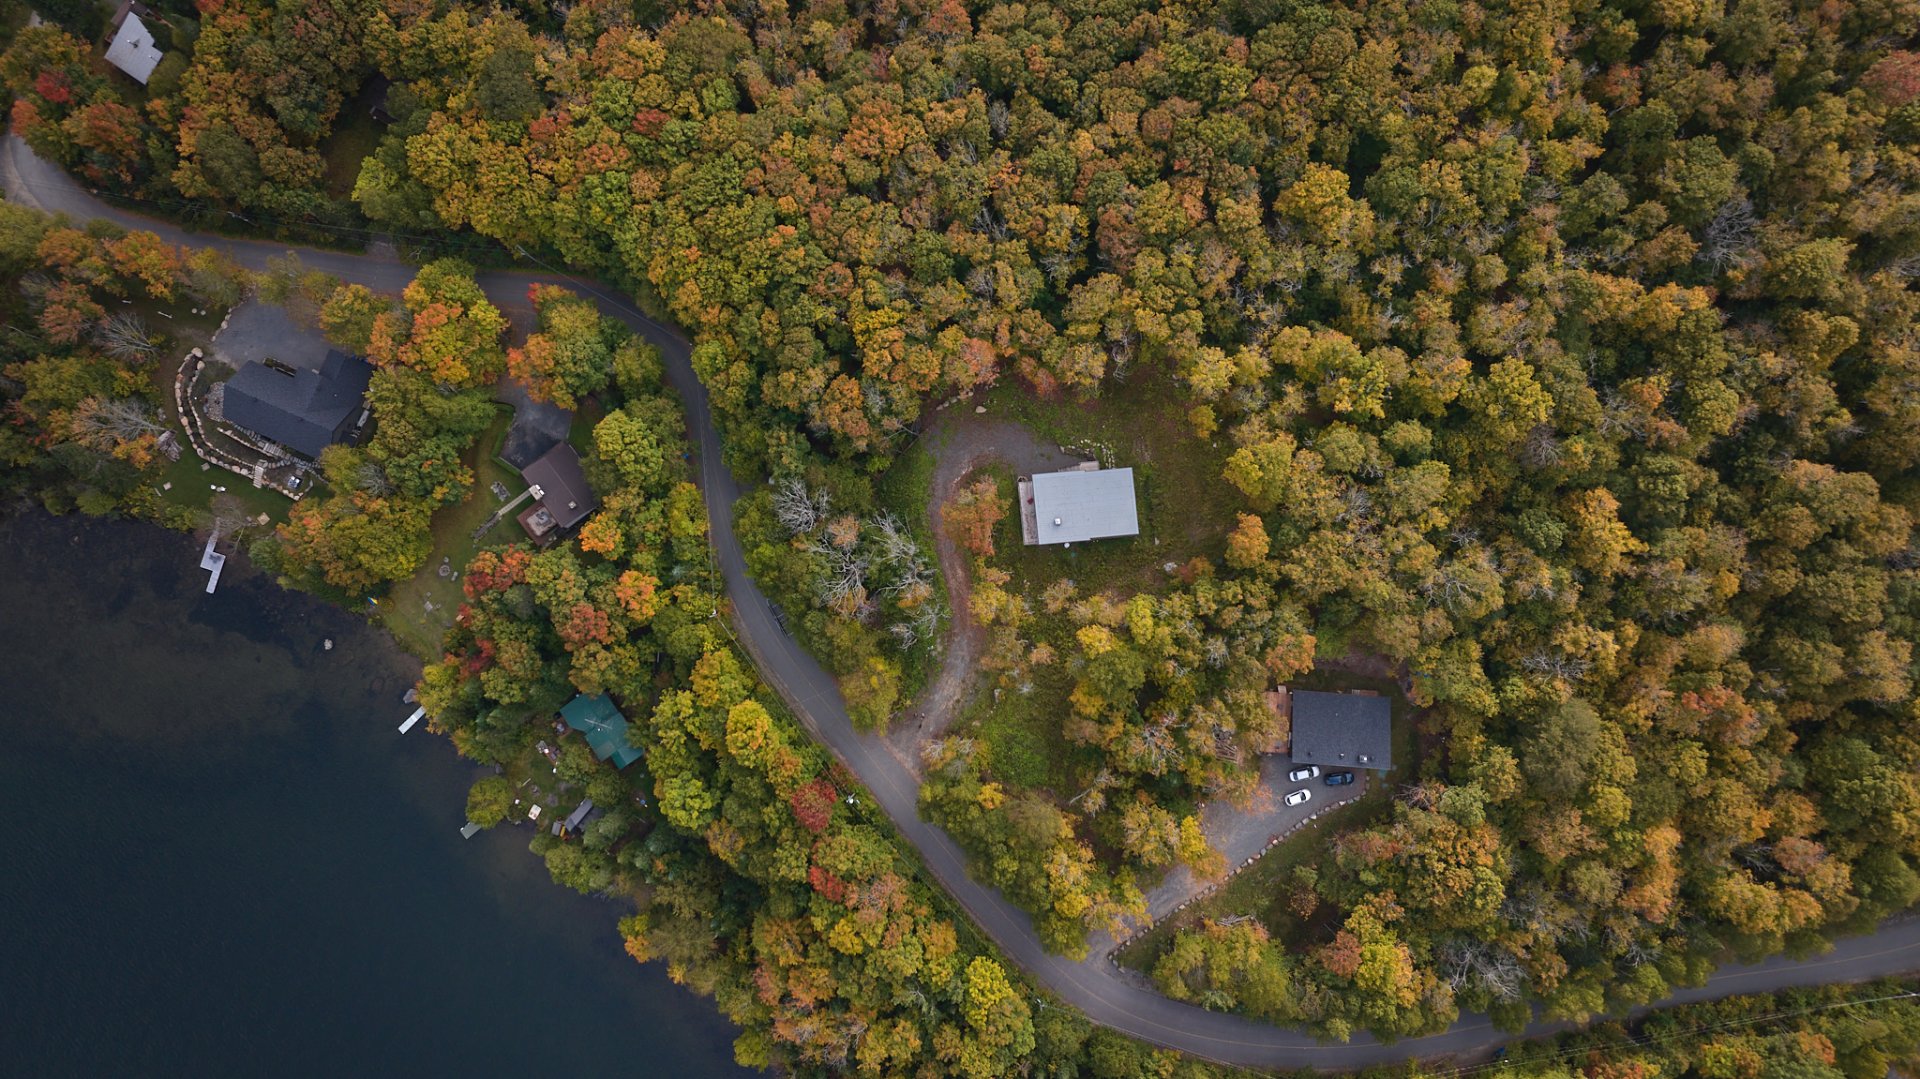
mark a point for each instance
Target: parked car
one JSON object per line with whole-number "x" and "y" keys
{"x": 1299, "y": 774}
{"x": 1299, "y": 797}
{"x": 1339, "y": 779}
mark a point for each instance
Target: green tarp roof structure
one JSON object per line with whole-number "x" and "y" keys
{"x": 604, "y": 726}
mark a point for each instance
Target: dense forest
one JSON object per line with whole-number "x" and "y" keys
{"x": 1860, "y": 1032}
{"x": 1562, "y": 357}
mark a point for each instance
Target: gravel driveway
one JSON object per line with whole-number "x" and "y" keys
{"x": 962, "y": 440}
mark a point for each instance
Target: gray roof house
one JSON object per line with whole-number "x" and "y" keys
{"x": 133, "y": 49}
{"x": 304, "y": 409}
{"x": 578, "y": 816}
{"x": 1083, "y": 504}
{"x": 1342, "y": 730}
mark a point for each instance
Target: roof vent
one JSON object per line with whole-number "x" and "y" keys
{"x": 1056, "y": 522}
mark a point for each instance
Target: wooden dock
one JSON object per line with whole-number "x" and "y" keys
{"x": 212, "y": 561}
{"x": 412, "y": 719}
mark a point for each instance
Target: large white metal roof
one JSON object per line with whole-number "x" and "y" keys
{"x": 1069, "y": 507}
{"x": 133, "y": 50}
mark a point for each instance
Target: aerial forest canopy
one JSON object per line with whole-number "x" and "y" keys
{"x": 1565, "y": 355}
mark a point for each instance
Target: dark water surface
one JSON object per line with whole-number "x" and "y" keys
{"x": 221, "y": 859}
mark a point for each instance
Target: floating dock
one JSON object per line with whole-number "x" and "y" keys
{"x": 412, "y": 719}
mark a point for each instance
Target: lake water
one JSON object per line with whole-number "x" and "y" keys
{"x": 223, "y": 860}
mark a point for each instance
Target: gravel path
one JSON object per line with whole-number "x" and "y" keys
{"x": 962, "y": 440}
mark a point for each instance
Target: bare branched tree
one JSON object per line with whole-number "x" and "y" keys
{"x": 373, "y": 479}
{"x": 1217, "y": 654}
{"x": 999, "y": 118}
{"x": 1095, "y": 794}
{"x": 797, "y": 509}
{"x": 105, "y": 422}
{"x": 1465, "y": 962}
{"x": 1728, "y": 241}
{"x": 1542, "y": 448}
{"x": 895, "y": 544}
{"x": 1571, "y": 667}
{"x": 844, "y": 584}
{"x": 124, "y": 336}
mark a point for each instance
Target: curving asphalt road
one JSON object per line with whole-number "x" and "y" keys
{"x": 1106, "y": 994}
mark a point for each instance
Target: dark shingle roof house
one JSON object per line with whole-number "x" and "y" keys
{"x": 303, "y": 409}
{"x": 564, "y": 494}
{"x": 604, "y": 726}
{"x": 1342, "y": 730}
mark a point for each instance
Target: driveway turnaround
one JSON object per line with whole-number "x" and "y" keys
{"x": 1106, "y": 994}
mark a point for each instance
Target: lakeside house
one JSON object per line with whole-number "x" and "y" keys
{"x": 133, "y": 49}
{"x": 1342, "y": 730}
{"x": 578, "y": 818}
{"x": 1084, "y": 503}
{"x": 603, "y": 726}
{"x": 561, "y": 497}
{"x": 305, "y": 409}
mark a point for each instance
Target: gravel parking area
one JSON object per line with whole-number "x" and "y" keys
{"x": 257, "y": 331}
{"x": 1243, "y": 833}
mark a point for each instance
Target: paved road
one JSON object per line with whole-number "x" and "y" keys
{"x": 1107, "y": 995}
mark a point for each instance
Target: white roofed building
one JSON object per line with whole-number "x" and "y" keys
{"x": 1082, "y": 504}
{"x": 133, "y": 49}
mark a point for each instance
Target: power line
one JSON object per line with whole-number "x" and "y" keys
{"x": 183, "y": 204}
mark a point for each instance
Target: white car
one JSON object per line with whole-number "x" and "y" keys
{"x": 1299, "y": 797}
{"x": 1311, "y": 771}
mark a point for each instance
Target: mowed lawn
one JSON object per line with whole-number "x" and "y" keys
{"x": 404, "y": 610}
{"x": 1186, "y": 508}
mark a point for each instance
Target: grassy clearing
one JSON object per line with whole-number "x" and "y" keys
{"x": 404, "y": 610}
{"x": 1021, "y": 731}
{"x": 355, "y": 135}
{"x": 587, "y": 412}
{"x": 193, "y": 485}
{"x": 1261, "y": 889}
{"x": 906, "y": 487}
{"x": 186, "y": 482}
{"x": 1186, "y": 509}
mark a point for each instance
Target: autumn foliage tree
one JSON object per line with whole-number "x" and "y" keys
{"x": 445, "y": 328}
{"x": 970, "y": 516}
{"x": 570, "y": 354}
